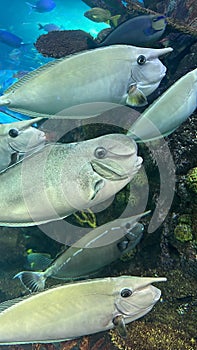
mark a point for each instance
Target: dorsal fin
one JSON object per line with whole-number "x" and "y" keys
{"x": 37, "y": 71}
{"x": 8, "y": 303}
{"x": 32, "y": 74}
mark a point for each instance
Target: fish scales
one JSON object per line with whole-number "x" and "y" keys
{"x": 100, "y": 75}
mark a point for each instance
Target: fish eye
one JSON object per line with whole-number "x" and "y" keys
{"x": 100, "y": 152}
{"x": 127, "y": 226}
{"x": 141, "y": 60}
{"x": 125, "y": 293}
{"x": 13, "y": 132}
{"x": 123, "y": 245}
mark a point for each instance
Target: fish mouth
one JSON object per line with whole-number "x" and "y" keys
{"x": 110, "y": 170}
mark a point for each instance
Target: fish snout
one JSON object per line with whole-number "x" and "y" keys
{"x": 160, "y": 52}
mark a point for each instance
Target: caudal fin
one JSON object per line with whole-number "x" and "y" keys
{"x": 31, "y": 7}
{"x": 33, "y": 281}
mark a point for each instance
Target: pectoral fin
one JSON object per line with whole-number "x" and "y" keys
{"x": 119, "y": 323}
{"x": 135, "y": 97}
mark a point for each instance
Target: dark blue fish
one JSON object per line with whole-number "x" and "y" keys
{"x": 10, "y": 38}
{"x": 42, "y": 5}
{"x": 137, "y": 31}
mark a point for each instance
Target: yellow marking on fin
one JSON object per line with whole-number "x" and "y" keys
{"x": 136, "y": 97}
{"x": 114, "y": 20}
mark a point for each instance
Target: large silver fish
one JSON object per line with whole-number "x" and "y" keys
{"x": 19, "y": 138}
{"x": 98, "y": 248}
{"x": 117, "y": 74}
{"x": 169, "y": 111}
{"x": 60, "y": 179}
{"x": 77, "y": 309}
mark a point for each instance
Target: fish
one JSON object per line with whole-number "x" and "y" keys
{"x": 77, "y": 309}
{"x": 42, "y": 6}
{"x": 105, "y": 75}
{"x": 138, "y": 31}
{"x": 96, "y": 249}
{"x": 168, "y": 111}
{"x": 98, "y": 14}
{"x": 18, "y": 139}
{"x": 39, "y": 188}
{"x": 10, "y": 39}
{"x": 49, "y": 27}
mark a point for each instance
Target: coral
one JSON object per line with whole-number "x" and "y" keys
{"x": 185, "y": 219}
{"x": 88, "y": 218}
{"x": 191, "y": 180}
{"x": 63, "y": 43}
{"x": 183, "y": 232}
{"x": 128, "y": 256}
{"x": 152, "y": 336}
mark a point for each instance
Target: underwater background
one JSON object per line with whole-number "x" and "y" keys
{"x": 171, "y": 250}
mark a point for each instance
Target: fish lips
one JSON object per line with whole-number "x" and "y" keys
{"x": 111, "y": 170}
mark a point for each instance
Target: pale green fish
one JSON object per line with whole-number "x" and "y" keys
{"x": 60, "y": 179}
{"x": 77, "y": 309}
{"x": 19, "y": 138}
{"x": 98, "y": 14}
{"x": 169, "y": 111}
{"x": 98, "y": 248}
{"x": 102, "y": 75}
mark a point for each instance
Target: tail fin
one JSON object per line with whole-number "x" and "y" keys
{"x": 33, "y": 281}
{"x": 40, "y": 26}
{"x": 114, "y": 20}
{"x": 31, "y": 7}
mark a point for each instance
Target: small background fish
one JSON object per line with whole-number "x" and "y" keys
{"x": 49, "y": 27}
{"x": 98, "y": 15}
{"x": 42, "y": 6}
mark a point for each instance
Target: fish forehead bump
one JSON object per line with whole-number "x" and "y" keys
{"x": 125, "y": 52}
{"x": 148, "y": 52}
{"x": 20, "y": 125}
{"x": 133, "y": 52}
{"x": 158, "y": 52}
{"x": 135, "y": 282}
{"x": 119, "y": 142}
{"x": 132, "y": 220}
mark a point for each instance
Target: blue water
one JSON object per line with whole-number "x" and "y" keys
{"x": 17, "y": 18}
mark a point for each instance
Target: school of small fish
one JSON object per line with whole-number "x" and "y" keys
{"x": 50, "y": 181}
